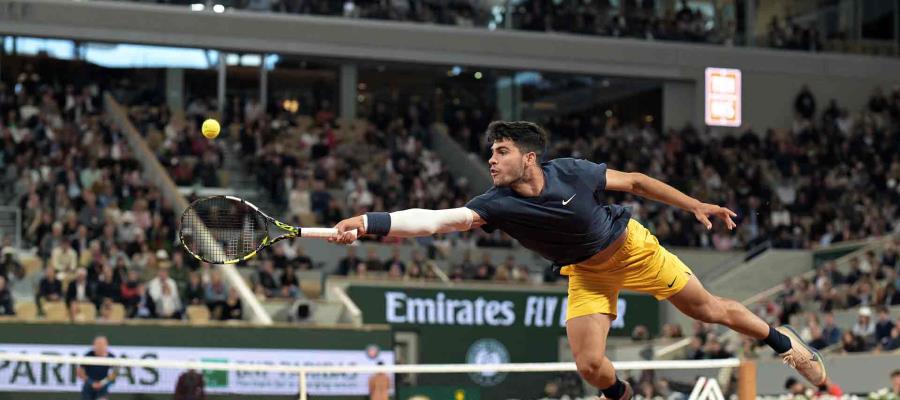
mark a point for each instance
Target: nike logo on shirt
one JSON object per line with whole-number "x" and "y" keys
{"x": 565, "y": 202}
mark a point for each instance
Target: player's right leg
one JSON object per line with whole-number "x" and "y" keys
{"x": 587, "y": 338}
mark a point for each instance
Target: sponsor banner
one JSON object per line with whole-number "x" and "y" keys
{"x": 43, "y": 377}
{"x": 419, "y": 307}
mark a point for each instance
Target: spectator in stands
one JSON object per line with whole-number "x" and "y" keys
{"x": 373, "y": 262}
{"x": 80, "y": 290}
{"x": 194, "y": 291}
{"x": 216, "y": 295}
{"x": 299, "y": 257}
{"x": 8, "y": 263}
{"x": 851, "y": 343}
{"x": 168, "y": 304}
{"x": 156, "y": 285}
{"x": 895, "y": 383}
{"x": 892, "y": 342}
{"x": 21, "y": 286}
{"x": 6, "y": 300}
{"x": 63, "y": 258}
{"x": 264, "y": 282}
{"x": 107, "y": 288}
{"x": 671, "y": 331}
{"x": 146, "y": 306}
{"x": 50, "y": 242}
{"x": 233, "y": 309}
{"x": 348, "y": 263}
{"x": 795, "y": 387}
{"x": 456, "y": 273}
{"x": 884, "y": 326}
{"x": 865, "y": 327}
{"x": 300, "y": 198}
{"x": 130, "y": 291}
{"x": 713, "y": 349}
{"x": 179, "y": 269}
{"x": 695, "y": 349}
{"x": 830, "y": 332}
{"x": 817, "y": 341}
{"x": 395, "y": 262}
{"x": 105, "y": 314}
{"x": 290, "y": 285}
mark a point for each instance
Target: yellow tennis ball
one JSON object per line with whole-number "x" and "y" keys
{"x": 210, "y": 128}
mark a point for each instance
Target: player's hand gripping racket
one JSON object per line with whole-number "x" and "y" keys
{"x": 227, "y": 230}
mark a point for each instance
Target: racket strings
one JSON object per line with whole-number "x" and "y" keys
{"x": 219, "y": 229}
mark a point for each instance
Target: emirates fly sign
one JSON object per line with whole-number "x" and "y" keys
{"x": 723, "y": 97}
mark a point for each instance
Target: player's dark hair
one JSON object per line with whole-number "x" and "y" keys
{"x": 527, "y": 136}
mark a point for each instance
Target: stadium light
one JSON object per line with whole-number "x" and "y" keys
{"x": 197, "y": 7}
{"x": 218, "y": 8}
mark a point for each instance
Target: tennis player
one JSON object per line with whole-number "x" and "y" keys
{"x": 97, "y": 378}
{"x": 558, "y": 209}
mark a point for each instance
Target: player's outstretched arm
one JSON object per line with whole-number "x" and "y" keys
{"x": 654, "y": 189}
{"x": 407, "y": 223}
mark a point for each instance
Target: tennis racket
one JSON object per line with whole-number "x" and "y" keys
{"x": 228, "y": 230}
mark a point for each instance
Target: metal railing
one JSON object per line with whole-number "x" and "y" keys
{"x": 11, "y": 225}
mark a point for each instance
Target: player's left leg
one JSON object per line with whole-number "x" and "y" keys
{"x": 654, "y": 270}
{"x": 696, "y": 302}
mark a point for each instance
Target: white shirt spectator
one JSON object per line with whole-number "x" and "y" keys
{"x": 300, "y": 201}
{"x": 155, "y": 286}
{"x": 64, "y": 259}
{"x": 167, "y": 304}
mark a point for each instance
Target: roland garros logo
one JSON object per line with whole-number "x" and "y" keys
{"x": 487, "y": 351}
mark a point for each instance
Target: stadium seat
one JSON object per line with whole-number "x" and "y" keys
{"x": 55, "y": 311}
{"x": 84, "y": 311}
{"x": 308, "y": 219}
{"x": 31, "y": 264}
{"x": 26, "y": 311}
{"x": 197, "y": 314}
{"x": 117, "y": 313}
{"x": 311, "y": 290}
{"x": 310, "y": 283}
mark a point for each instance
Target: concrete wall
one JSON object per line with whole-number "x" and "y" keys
{"x": 680, "y": 104}
{"x": 862, "y": 373}
{"x": 762, "y": 272}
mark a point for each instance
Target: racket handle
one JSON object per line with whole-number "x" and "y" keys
{"x": 320, "y": 233}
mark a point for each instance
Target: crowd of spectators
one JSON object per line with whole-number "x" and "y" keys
{"x": 791, "y": 35}
{"x": 775, "y": 180}
{"x": 102, "y": 235}
{"x": 869, "y": 288}
{"x": 641, "y": 20}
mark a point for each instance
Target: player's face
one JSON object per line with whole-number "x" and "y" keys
{"x": 507, "y": 163}
{"x": 100, "y": 346}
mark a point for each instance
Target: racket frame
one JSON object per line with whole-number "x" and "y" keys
{"x": 292, "y": 231}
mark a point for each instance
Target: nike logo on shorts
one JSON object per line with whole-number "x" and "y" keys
{"x": 565, "y": 202}
{"x": 673, "y": 281}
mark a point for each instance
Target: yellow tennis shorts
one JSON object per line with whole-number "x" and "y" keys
{"x": 641, "y": 264}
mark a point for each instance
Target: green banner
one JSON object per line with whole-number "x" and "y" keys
{"x": 466, "y": 326}
{"x": 525, "y": 311}
{"x": 185, "y": 335}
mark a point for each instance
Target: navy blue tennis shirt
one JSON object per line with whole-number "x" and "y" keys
{"x": 568, "y": 222}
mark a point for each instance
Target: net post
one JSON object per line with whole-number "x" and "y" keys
{"x": 302, "y": 385}
{"x": 747, "y": 380}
